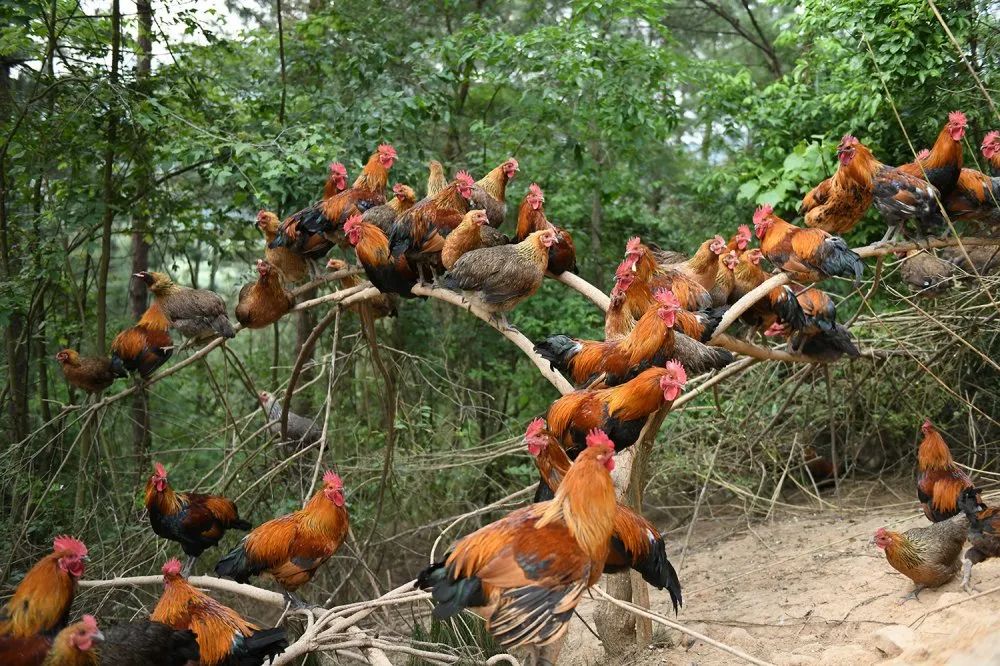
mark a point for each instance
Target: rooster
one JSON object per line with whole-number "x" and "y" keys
{"x": 939, "y": 479}
{"x": 527, "y": 572}
{"x": 144, "y": 347}
{"x": 436, "y": 180}
{"x": 383, "y": 216}
{"x": 651, "y": 276}
{"x": 723, "y": 286}
{"x": 943, "y": 164}
{"x": 807, "y": 255}
{"x": 473, "y": 233}
{"x": 194, "y": 520}
{"x": 531, "y": 218}
{"x": 635, "y": 542}
{"x": 312, "y": 231}
{"x": 501, "y": 277}
{"x": 976, "y": 197}
{"x": 983, "y": 533}
{"x": 490, "y": 192}
{"x": 265, "y": 301}
{"x": 839, "y": 202}
{"x": 91, "y": 374}
{"x": 41, "y": 602}
{"x": 815, "y": 331}
{"x": 76, "y": 645}
{"x": 293, "y": 547}
{"x": 926, "y": 274}
{"x": 336, "y": 182}
{"x": 619, "y": 411}
{"x": 991, "y": 151}
{"x": 224, "y": 637}
{"x": 390, "y": 275}
{"x": 198, "y": 314}
{"x": 928, "y": 556}
{"x": 292, "y": 267}
{"x": 146, "y": 643}
{"x": 385, "y": 305}
{"x": 651, "y": 343}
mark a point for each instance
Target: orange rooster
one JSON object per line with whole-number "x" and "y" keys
{"x": 194, "y": 520}
{"x": 839, "y": 202}
{"x": 91, "y": 374}
{"x": 41, "y": 602}
{"x": 723, "y": 287}
{"x": 311, "y": 232}
{"x": 436, "y": 180}
{"x": 384, "y": 305}
{"x": 336, "y": 182}
{"x": 489, "y": 193}
{"x": 391, "y": 275}
{"x": 817, "y": 333}
{"x": 976, "y": 195}
{"x": 473, "y": 233}
{"x": 531, "y": 218}
{"x": 650, "y": 275}
{"x": 939, "y": 479}
{"x": 265, "y": 301}
{"x": 293, "y": 547}
{"x": 76, "y": 645}
{"x": 527, "y": 572}
{"x": 991, "y": 151}
{"x": 807, "y": 255}
{"x": 779, "y": 306}
{"x": 224, "y": 637}
{"x": 943, "y": 164}
{"x": 619, "y": 411}
{"x": 652, "y": 342}
{"x": 144, "y": 347}
{"x": 293, "y": 267}
{"x": 635, "y": 542}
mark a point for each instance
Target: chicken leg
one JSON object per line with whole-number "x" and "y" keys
{"x": 911, "y": 595}
{"x": 967, "y": 577}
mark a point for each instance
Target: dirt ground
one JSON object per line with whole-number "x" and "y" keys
{"x": 806, "y": 587}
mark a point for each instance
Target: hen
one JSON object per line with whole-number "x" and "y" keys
{"x": 76, "y": 645}
{"x": 473, "y": 233}
{"x": 301, "y": 431}
{"x": 436, "y": 180}
{"x": 293, "y": 267}
{"x": 929, "y": 556}
{"x": 531, "y": 218}
{"x": 490, "y": 192}
{"x": 383, "y": 216}
{"x": 723, "y": 287}
{"x": 925, "y": 274}
{"x": 198, "y": 314}
{"x": 983, "y": 533}
{"x": 265, "y": 301}
{"x": 91, "y": 374}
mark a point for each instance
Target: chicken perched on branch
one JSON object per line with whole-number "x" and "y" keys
{"x": 807, "y": 255}
{"x": 926, "y": 274}
{"x": 301, "y": 431}
{"x": 839, "y": 202}
{"x": 91, "y": 374}
{"x": 385, "y": 305}
{"x": 336, "y": 182}
{"x": 501, "y": 277}
{"x": 144, "y": 347}
{"x": 76, "y": 645}
{"x": 473, "y": 233}
{"x": 779, "y": 306}
{"x": 939, "y": 480}
{"x": 943, "y": 164}
{"x": 146, "y": 643}
{"x": 293, "y": 267}
{"x": 976, "y": 196}
{"x": 531, "y": 218}
{"x": 383, "y": 216}
{"x": 389, "y": 274}
{"x": 312, "y": 231}
{"x": 489, "y": 193}
{"x": 703, "y": 267}
{"x": 928, "y": 556}
{"x": 526, "y": 573}
{"x": 436, "y": 180}
{"x": 650, "y": 343}
{"x": 619, "y": 411}
{"x": 816, "y": 333}
{"x": 983, "y": 533}
{"x": 198, "y": 314}
{"x": 635, "y": 542}
{"x": 194, "y": 520}
{"x": 991, "y": 151}
{"x": 224, "y": 637}
{"x": 293, "y": 547}
{"x": 722, "y": 290}
{"x": 649, "y": 276}
{"x": 265, "y": 301}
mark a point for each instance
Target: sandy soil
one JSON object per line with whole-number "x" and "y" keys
{"x": 806, "y": 587}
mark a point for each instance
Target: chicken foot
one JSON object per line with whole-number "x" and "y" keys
{"x": 912, "y": 595}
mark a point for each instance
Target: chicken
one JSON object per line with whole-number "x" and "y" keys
{"x": 385, "y": 305}
{"x": 292, "y": 267}
{"x": 301, "y": 430}
{"x": 265, "y": 301}
{"x": 839, "y": 202}
{"x": 619, "y": 411}
{"x": 313, "y": 231}
{"x": 723, "y": 287}
{"x": 91, "y": 374}
{"x": 635, "y": 542}
{"x": 531, "y": 218}
{"x": 976, "y": 197}
{"x": 926, "y": 274}
{"x": 144, "y": 347}
{"x": 991, "y": 151}
{"x": 293, "y": 547}
{"x": 41, "y": 602}
{"x": 490, "y": 192}
{"x": 985, "y": 258}
{"x": 650, "y": 343}
{"x": 76, "y": 645}
{"x": 983, "y": 533}
{"x": 146, "y": 643}
{"x": 194, "y": 520}
{"x": 929, "y": 556}
{"x": 821, "y": 469}
{"x": 389, "y": 274}
{"x": 383, "y": 216}
{"x": 651, "y": 276}
{"x": 198, "y": 314}
{"x": 817, "y": 333}
{"x": 501, "y": 277}
{"x": 704, "y": 265}
{"x": 526, "y": 573}
{"x": 436, "y": 180}
{"x": 779, "y": 306}
{"x": 944, "y": 163}
{"x": 473, "y": 233}
{"x": 224, "y": 637}
{"x": 939, "y": 479}
{"x": 618, "y": 320}
{"x": 336, "y": 182}
{"x": 417, "y": 237}
{"x": 807, "y": 255}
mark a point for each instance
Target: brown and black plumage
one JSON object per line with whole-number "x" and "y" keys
{"x": 92, "y": 374}
{"x": 265, "y": 301}
{"x": 489, "y": 193}
{"x": 983, "y": 533}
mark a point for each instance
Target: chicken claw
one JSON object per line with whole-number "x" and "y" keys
{"x": 912, "y": 595}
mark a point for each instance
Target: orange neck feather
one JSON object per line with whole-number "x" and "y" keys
{"x": 373, "y": 177}
{"x": 495, "y": 183}
{"x": 934, "y": 453}
{"x": 40, "y": 601}
{"x": 585, "y": 503}
{"x": 704, "y": 258}
{"x": 322, "y": 514}
{"x": 945, "y": 151}
{"x": 637, "y": 397}
{"x": 450, "y": 198}
{"x": 166, "y": 502}
{"x": 862, "y": 167}
{"x": 373, "y": 247}
{"x": 648, "y": 335}
{"x": 154, "y": 318}
{"x": 529, "y": 220}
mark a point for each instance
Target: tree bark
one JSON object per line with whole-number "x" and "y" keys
{"x": 108, "y": 182}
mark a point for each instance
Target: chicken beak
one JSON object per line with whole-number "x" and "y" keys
{"x": 97, "y": 637}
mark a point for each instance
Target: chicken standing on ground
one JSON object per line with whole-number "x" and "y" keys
{"x": 940, "y": 481}
{"x": 929, "y": 556}
{"x": 199, "y": 314}
{"x": 983, "y": 533}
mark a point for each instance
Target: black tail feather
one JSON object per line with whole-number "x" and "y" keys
{"x": 235, "y": 565}
{"x": 450, "y": 596}
{"x": 657, "y": 570}
{"x": 240, "y": 524}
{"x": 558, "y": 350}
{"x": 262, "y": 647}
{"x": 118, "y": 367}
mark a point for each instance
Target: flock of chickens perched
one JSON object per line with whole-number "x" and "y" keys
{"x": 525, "y": 573}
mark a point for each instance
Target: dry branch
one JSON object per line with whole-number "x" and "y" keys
{"x": 587, "y": 290}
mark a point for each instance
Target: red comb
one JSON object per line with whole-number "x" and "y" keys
{"x": 338, "y": 169}
{"x": 677, "y": 372}
{"x": 991, "y": 137}
{"x": 386, "y": 149}
{"x": 598, "y": 437}
{"x": 848, "y": 140}
{"x": 762, "y": 213}
{"x": 68, "y": 544}
{"x": 957, "y": 118}
{"x": 512, "y": 161}
{"x": 89, "y": 623}
{"x": 172, "y": 567}
{"x": 352, "y": 223}
{"x": 464, "y": 178}
{"x": 537, "y": 191}
{"x": 158, "y": 467}
{"x": 535, "y": 427}
{"x": 331, "y": 479}
{"x": 632, "y": 246}
{"x": 667, "y": 298}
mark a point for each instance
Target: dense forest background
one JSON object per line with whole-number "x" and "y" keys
{"x": 149, "y": 134}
